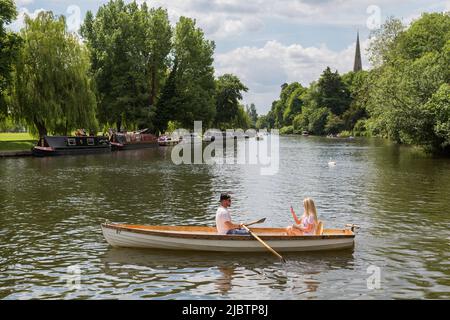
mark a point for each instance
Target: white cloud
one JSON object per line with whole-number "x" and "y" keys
{"x": 263, "y": 70}
{"x": 20, "y": 3}
{"x": 19, "y": 23}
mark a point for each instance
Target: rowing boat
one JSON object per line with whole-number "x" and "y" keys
{"x": 194, "y": 238}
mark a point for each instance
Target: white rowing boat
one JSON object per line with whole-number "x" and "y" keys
{"x": 206, "y": 239}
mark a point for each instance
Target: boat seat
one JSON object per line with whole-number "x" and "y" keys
{"x": 319, "y": 228}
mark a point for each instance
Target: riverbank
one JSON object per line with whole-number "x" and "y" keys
{"x": 21, "y": 153}
{"x": 16, "y": 144}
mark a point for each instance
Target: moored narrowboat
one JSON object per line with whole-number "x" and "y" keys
{"x": 133, "y": 140}
{"x": 63, "y": 145}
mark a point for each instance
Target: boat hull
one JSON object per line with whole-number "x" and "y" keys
{"x": 115, "y": 146}
{"x": 132, "y": 237}
{"x": 167, "y": 143}
{"x": 49, "y": 152}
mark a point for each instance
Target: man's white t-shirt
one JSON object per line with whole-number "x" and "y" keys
{"x": 222, "y": 216}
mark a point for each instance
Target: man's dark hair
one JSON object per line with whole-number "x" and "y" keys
{"x": 224, "y": 196}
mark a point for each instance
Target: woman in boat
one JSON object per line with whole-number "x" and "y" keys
{"x": 306, "y": 225}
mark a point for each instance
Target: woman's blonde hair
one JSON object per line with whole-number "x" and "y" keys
{"x": 310, "y": 208}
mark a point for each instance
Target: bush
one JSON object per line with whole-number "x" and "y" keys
{"x": 360, "y": 129}
{"x": 9, "y": 125}
{"x": 287, "y": 130}
{"x": 334, "y": 124}
{"x": 300, "y": 122}
{"x": 345, "y": 134}
{"x": 317, "y": 120}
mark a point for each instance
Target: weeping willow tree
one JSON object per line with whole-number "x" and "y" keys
{"x": 52, "y": 89}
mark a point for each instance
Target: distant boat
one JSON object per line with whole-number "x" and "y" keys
{"x": 167, "y": 140}
{"x": 196, "y": 238}
{"x": 66, "y": 145}
{"x": 191, "y": 138}
{"x": 305, "y": 133}
{"x": 133, "y": 140}
{"x": 331, "y": 163}
{"x": 212, "y": 135}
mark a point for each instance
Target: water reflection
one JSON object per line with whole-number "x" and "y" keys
{"x": 51, "y": 209}
{"x": 228, "y": 272}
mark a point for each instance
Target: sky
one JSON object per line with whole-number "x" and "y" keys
{"x": 269, "y": 42}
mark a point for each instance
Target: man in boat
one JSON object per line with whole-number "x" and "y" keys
{"x": 224, "y": 224}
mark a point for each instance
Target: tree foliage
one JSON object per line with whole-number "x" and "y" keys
{"x": 404, "y": 97}
{"x": 228, "y": 94}
{"x": 402, "y": 86}
{"x": 52, "y": 90}
{"x": 195, "y": 75}
{"x": 253, "y": 114}
{"x": 9, "y": 47}
{"x": 129, "y": 52}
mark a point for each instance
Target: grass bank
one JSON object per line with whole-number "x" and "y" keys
{"x": 16, "y": 141}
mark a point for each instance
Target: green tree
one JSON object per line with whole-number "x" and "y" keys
{"x": 416, "y": 68}
{"x": 241, "y": 119}
{"x": 427, "y": 34}
{"x": 129, "y": 48}
{"x": 438, "y": 113}
{"x": 294, "y": 104}
{"x": 358, "y": 86}
{"x": 157, "y": 46}
{"x": 170, "y": 99}
{"x": 253, "y": 114}
{"x": 382, "y": 48}
{"x": 9, "y": 47}
{"x": 317, "y": 120}
{"x": 332, "y": 92}
{"x": 228, "y": 94}
{"x": 195, "y": 83}
{"x": 279, "y": 107}
{"x": 52, "y": 89}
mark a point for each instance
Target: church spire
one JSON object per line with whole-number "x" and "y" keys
{"x": 358, "y": 64}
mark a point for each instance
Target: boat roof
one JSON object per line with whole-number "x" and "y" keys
{"x": 60, "y": 141}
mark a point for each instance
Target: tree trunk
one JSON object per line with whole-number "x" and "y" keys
{"x": 65, "y": 128}
{"x": 40, "y": 126}
{"x": 153, "y": 73}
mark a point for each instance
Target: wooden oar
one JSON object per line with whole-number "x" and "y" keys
{"x": 264, "y": 244}
{"x": 255, "y": 222}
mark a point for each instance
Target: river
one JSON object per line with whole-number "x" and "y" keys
{"x": 51, "y": 210}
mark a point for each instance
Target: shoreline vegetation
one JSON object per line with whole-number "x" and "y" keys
{"x": 133, "y": 69}
{"x": 16, "y": 142}
{"x": 405, "y": 97}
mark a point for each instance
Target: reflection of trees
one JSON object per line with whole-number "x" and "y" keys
{"x": 224, "y": 282}
{"x": 305, "y": 269}
{"x": 408, "y": 203}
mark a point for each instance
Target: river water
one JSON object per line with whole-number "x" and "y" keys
{"x": 51, "y": 210}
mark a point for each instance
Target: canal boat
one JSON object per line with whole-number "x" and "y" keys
{"x": 63, "y": 145}
{"x": 191, "y": 138}
{"x": 194, "y": 238}
{"x": 133, "y": 140}
{"x": 212, "y": 135}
